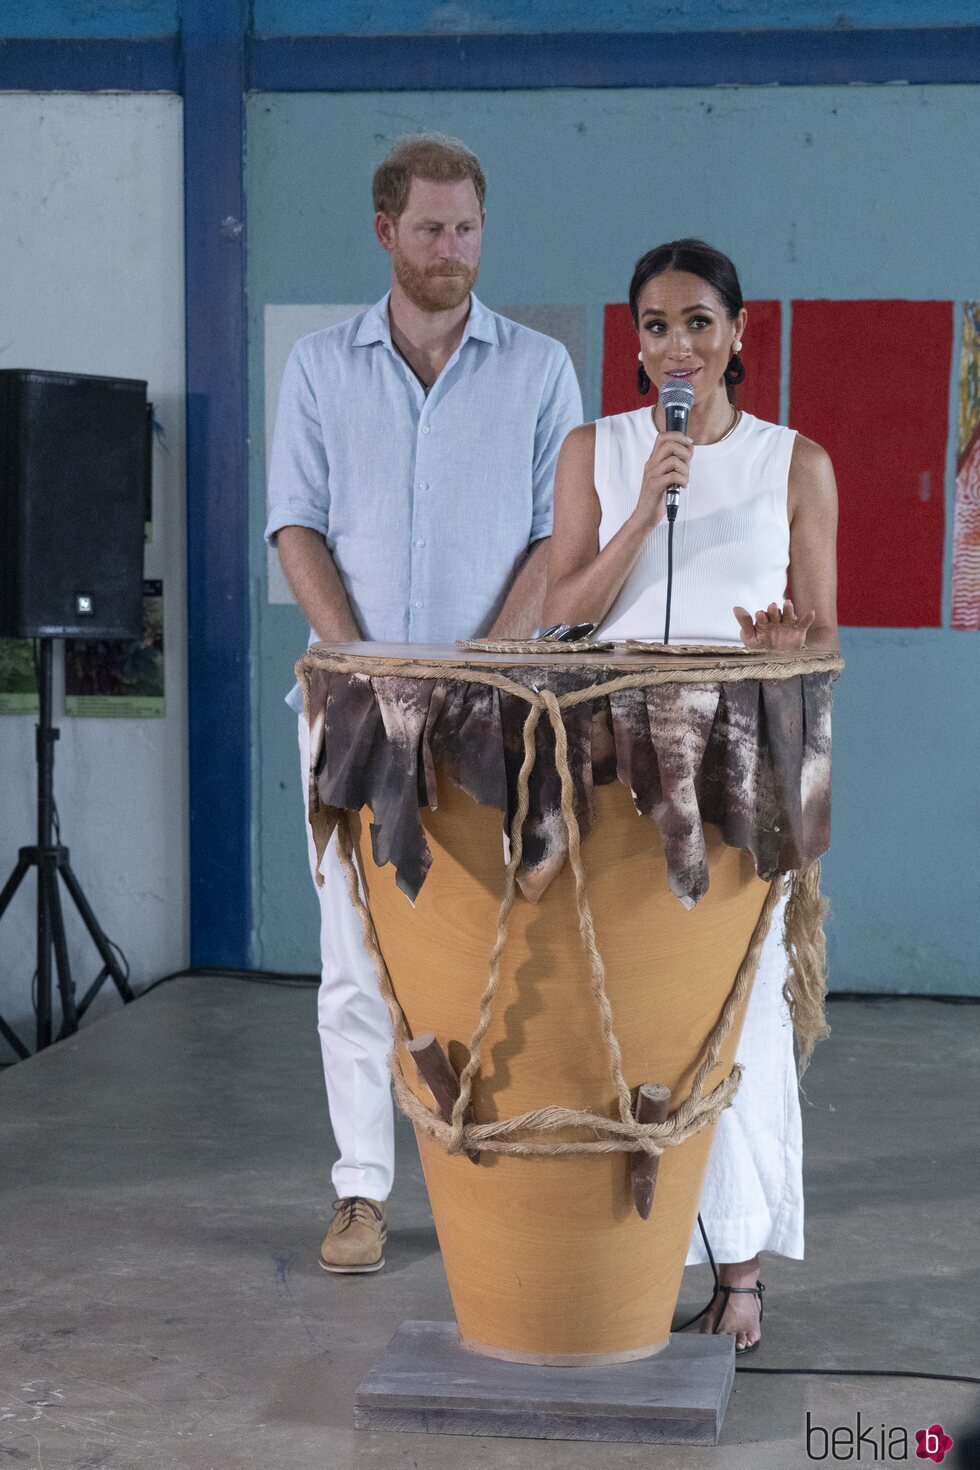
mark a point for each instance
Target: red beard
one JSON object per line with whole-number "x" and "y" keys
{"x": 433, "y": 290}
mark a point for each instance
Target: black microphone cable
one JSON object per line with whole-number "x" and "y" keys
{"x": 812, "y": 1372}
{"x": 672, "y": 504}
{"x": 711, "y": 1260}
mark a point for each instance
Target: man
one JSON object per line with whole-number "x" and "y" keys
{"x": 411, "y": 501}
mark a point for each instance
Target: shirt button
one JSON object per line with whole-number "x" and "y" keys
{"x": 418, "y": 602}
{"x": 420, "y": 543}
{"x": 423, "y": 484}
{"x": 425, "y": 428}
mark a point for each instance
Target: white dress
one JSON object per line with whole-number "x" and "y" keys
{"x": 731, "y": 545}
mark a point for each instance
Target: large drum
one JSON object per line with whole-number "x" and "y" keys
{"x": 570, "y": 862}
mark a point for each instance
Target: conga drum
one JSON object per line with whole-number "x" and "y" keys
{"x": 570, "y": 862}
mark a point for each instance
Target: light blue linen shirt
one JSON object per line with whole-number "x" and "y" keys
{"x": 428, "y": 502}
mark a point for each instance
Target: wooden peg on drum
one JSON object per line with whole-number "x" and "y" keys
{"x": 436, "y": 1071}
{"x": 652, "y": 1105}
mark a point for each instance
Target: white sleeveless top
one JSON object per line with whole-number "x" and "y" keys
{"x": 731, "y": 536}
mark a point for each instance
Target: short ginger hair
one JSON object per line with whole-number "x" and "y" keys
{"x": 426, "y": 156}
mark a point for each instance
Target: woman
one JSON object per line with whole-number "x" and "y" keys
{"x": 758, "y": 507}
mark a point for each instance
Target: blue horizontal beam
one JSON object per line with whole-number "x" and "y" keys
{"x": 702, "y": 59}
{"x": 466, "y": 63}
{"x": 152, "y": 65}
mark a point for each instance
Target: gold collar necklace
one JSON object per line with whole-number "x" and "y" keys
{"x": 736, "y": 415}
{"x": 732, "y": 426}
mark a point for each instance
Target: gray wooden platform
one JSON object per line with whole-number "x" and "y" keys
{"x": 427, "y": 1383}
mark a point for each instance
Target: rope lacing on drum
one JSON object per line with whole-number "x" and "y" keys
{"x": 804, "y": 941}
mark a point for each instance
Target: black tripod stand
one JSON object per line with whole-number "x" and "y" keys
{"x": 51, "y": 858}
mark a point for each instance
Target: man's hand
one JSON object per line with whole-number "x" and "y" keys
{"x": 315, "y": 583}
{"x": 521, "y": 612}
{"x": 779, "y": 632}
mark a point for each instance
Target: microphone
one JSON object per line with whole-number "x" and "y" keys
{"x": 676, "y": 400}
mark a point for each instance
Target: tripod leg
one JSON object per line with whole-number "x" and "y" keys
{"x": 13, "y": 1040}
{"x": 13, "y": 882}
{"x": 98, "y": 937}
{"x": 93, "y": 990}
{"x": 45, "y": 736}
{"x": 69, "y": 1017}
{"x": 43, "y": 953}
{"x": 9, "y": 889}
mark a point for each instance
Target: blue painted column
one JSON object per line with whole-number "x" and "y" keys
{"x": 217, "y": 502}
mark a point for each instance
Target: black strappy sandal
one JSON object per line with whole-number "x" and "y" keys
{"x": 726, "y": 1293}
{"x": 755, "y": 1290}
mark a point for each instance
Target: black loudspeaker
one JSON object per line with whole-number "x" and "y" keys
{"x": 74, "y": 476}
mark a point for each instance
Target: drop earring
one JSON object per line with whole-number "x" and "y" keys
{"x": 642, "y": 376}
{"x": 735, "y": 371}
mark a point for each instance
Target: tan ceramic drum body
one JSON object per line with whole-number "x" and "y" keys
{"x": 547, "y": 1259}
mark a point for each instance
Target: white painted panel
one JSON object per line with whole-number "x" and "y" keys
{"x": 91, "y": 244}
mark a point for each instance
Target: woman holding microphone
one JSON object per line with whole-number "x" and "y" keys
{"x": 758, "y": 508}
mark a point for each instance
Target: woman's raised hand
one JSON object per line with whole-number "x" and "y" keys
{"x": 669, "y": 464}
{"x": 782, "y": 632}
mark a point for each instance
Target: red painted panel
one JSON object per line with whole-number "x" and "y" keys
{"x": 869, "y": 380}
{"x": 759, "y": 394}
{"x": 619, "y": 349}
{"x": 762, "y": 354}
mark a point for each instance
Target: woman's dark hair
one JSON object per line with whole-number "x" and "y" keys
{"x": 696, "y": 258}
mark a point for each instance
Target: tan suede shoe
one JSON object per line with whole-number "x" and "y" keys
{"x": 356, "y": 1239}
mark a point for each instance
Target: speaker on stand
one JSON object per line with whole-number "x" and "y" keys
{"x": 74, "y": 467}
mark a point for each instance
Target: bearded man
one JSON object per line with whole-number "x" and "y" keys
{"x": 411, "y": 501}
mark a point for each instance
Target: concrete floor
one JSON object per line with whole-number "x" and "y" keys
{"x": 165, "y": 1182}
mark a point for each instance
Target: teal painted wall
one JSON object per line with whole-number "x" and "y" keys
{"x": 838, "y": 192}
{"x": 902, "y": 870}
{"x": 94, "y": 19}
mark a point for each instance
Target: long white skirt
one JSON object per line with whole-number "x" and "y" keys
{"x": 753, "y": 1191}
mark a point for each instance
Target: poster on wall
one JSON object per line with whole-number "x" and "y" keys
{"x": 117, "y": 680}
{"x": 18, "y": 681}
{"x": 966, "y": 518}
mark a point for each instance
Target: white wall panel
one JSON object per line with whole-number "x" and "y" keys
{"x": 91, "y": 265}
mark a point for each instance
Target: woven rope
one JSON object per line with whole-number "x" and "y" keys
{"x": 478, "y": 674}
{"x": 804, "y": 938}
{"x": 531, "y": 645}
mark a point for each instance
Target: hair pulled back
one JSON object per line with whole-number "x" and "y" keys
{"x": 695, "y": 258}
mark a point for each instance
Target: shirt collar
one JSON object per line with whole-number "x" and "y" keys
{"x": 481, "y": 323}
{"x": 376, "y": 327}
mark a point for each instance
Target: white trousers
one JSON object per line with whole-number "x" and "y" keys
{"x": 753, "y": 1192}
{"x": 355, "y": 1031}
{"x": 752, "y": 1198}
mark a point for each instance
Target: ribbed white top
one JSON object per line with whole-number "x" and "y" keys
{"x": 731, "y": 536}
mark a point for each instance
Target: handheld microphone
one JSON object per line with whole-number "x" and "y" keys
{"x": 676, "y": 400}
